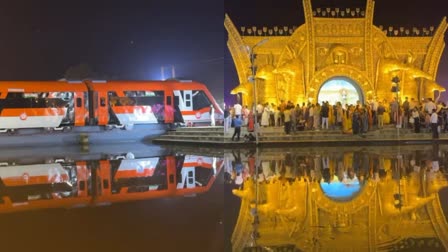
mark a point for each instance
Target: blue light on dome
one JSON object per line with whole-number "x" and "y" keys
{"x": 340, "y": 191}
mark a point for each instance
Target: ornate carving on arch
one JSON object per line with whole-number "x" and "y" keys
{"x": 289, "y": 72}
{"x": 382, "y": 45}
{"x": 295, "y": 46}
{"x": 339, "y": 54}
{"x": 435, "y": 49}
{"x": 360, "y": 201}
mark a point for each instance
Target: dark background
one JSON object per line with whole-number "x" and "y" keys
{"x": 41, "y": 40}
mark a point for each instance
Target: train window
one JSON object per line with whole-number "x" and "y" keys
{"x": 140, "y": 98}
{"x": 106, "y": 184}
{"x": 188, "y": 100}
{"x": 14, "y": 95}
{"x": 30, "y": 95}
{"x": 200, "y": 100}
{"x": 168, "y": 100}
{"x": 102, "y": 101}
{"x": 78, "y": 102}
{"x": 112, "y": 94}
{"x": 143, "y": 93}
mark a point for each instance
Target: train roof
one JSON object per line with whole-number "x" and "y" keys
{"x": 41, "y": 86}
{"x": 126, "y": 84}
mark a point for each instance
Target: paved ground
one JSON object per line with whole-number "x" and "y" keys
{"x": 276, "y": 136}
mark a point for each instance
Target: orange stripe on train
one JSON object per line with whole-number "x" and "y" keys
{"x": 33, "y": 112}
{"x": 193, "y": 112}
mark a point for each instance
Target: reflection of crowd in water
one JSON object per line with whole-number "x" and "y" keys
{"x": 345, "y": 167}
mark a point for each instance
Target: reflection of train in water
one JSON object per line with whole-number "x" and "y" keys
{"x": 68, "y": 184}
{"x": 60, "y": 105}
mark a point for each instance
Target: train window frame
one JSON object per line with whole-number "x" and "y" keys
{"x": 78, "y": 102}
{"x": 112, "y": 94}
{"x": 168, "y": 100}
{"x": 31, "y": 100}
{"x": 188, "y": 99}
{"x": 103, "y": 101}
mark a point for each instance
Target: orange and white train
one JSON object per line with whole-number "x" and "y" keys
{"x": 59, "y": 105}
{"x": 70, "y": 184}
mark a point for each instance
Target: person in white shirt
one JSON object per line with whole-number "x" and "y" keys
{"x": 429, "y": 106}
{"x": 238, "y": 109}
{"x": 434, "y": 124}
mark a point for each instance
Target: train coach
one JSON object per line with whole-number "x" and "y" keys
{"x": 48, "y": 105}
{"x": 62, "y": 105}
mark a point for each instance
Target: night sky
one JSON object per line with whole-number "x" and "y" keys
{"x": 290, "y": 12}
{"x": 130, "y": 40}
{"x": 41, "y": 39}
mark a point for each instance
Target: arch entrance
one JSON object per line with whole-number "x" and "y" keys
{"x": 340, "y": 89}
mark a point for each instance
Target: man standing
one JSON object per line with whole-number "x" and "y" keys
{"x": 380, "y": 112}
{"x": 324, "y": 112}
{"x": 287, "y": 115}
{"x": 237, "y": 123}
{"x": 406, "y": 111}
{"x": 434, "y": 124}
{"x": 374, "y": 109}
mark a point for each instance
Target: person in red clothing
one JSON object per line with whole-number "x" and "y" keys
{"x": 251, "y": 122}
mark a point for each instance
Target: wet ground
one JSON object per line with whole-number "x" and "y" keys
{"x": 136, "y": 197}
{"x": 146, "y": 199}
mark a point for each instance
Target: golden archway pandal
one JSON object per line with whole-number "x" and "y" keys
{"x": 296, "y": 61}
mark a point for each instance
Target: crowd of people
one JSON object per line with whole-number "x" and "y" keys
{"x": 358, "y": 118}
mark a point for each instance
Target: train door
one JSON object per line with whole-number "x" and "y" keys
{"x": 169, "y": 108}
{"x": 177, "y": 113}
{"x": 103, "y": 108}
{"x": 184, "y": 99}
{"x": 103, "y": 176}
{"x": 80, "y": 109}
{"x": 171, "y": 174}
{"x": 93, "y": 107}
{"x": 83, "y": 177}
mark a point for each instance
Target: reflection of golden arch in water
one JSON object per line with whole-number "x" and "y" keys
{"x": 355, "y": 76}
{"x": 370, "y": 222}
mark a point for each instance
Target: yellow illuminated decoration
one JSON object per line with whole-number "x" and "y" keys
{"x": 296, "y": 62}
{"x": 397, "y": 205}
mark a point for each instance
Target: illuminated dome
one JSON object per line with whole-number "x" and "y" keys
{"x": 339, "y": 90}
